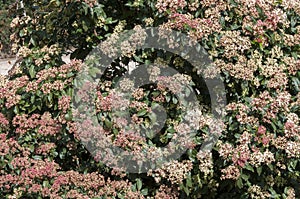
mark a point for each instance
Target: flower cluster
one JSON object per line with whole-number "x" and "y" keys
{"x": 64, "y": 103}
{"x": 197, "y": 28}
{"x": 205, "y": 162}
{"x": 242, "y": 69}
{"x": 4, "y": 123}
{"x": 256, "y": 191}
{"x": 166, "y": 192}
{"x": 44, "y": 124}
{"x": 54, "y": 79}
{"x": 9, "y": 90}
{"x": 230, "y": 172}
{"x": 257, "y": 158}
{"x": 129, "y": 140}
{"x": 170, "y": 5}
{"x": 111, "y": 47}
{"x": 173, "y": 171}
{"x": 27, "y": 173}
{"x": 234, "y": 43}
{"x": 44, "y": 149}
{"x": 114, "y": 101}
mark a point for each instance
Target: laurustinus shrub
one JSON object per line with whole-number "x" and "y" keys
{"x": 254, "y": 45}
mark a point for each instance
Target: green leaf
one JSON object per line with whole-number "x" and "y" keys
{"x": 138, "y": 59}
{"x": 261, "y": 47}
{"x": 32, "y": 99}
{"x": 142, "y": 113}
{"x": 50, "y": 97}
{"x": 245, "y": 177}
{"x": 37, "y": 157}
{"x": 294, "y": 55}
{"x": 189, "y": 181}
{"x": 68, "y": 117}
{"x": 187, "y": 92}
{"x": 222, "y": 21}
{"x": 21, "y": 33}
{"x": 185, "y": 189}
{"x": 293, "y": 22}
{"x": 274, "y": 194}
{"x": 249, "y": 28}
{"x": 32, "y": 71}
{"x": 33, "y": 41}
{"x": 259, "y": 170}
{"x": 150, "y": 134}
{"x": 62, "y": 154}
{"x": 155, "y": 93}
{"x": 133, "y": 188}
{"x": 105, "y": 27}
{"x": 271, "y": 167}
{"x": 239, "y": 183}
{"x": 45, "y": 183}
{"x": 153, "y": 118}
{"x": 139, "y": 184}
{"x": 170, "y": 129}
{"x": 86, "y": 9}
{"x": 144, "y": 192}
{"x": 84, "y": 26}
{"x": 174, "y": 100}
{"x": 121, "y": 196}
{"x": 108, "y": 123}
{"x": 249, "y": 167}
{"x": 168, "y": 98}
{"x": 235, "y": 26}
{"x": 16, "y": 110}
{"x": 296, "y": 83}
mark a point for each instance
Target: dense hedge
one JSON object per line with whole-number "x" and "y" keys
{"x": 255, "y": 46}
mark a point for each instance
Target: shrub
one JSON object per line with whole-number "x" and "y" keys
{"x": 253, "y": 44}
